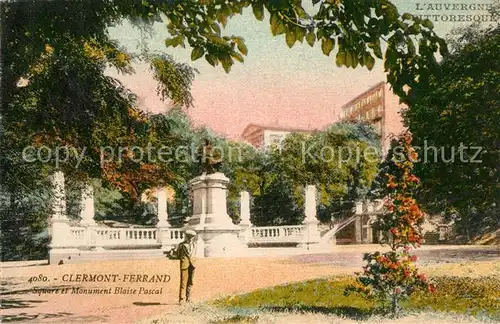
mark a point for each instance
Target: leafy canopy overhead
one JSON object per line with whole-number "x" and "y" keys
{"x": 357, "y": 28}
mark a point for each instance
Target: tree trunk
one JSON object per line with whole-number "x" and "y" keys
{"x": 394, "y": 307}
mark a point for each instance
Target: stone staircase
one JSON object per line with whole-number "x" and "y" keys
{"x": 337, "y": 226}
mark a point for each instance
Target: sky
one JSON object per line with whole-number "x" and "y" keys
{"x": 291, "y": 88}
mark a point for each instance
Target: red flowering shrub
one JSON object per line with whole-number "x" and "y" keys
{"x": 390, "y": 277}
{"x": 393, "y": 276}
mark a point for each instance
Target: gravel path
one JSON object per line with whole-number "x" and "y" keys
{"x": 214, "y": 277}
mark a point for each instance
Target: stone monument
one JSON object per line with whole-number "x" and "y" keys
{"x": 217, "y": 235}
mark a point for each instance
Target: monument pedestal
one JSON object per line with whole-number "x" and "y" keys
{"x": 61, "y": 246}
{"x": 217, "y": 235}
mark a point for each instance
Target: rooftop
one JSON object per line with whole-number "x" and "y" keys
{"x": 364, "y": 93}
{"x": 278, "y": 128}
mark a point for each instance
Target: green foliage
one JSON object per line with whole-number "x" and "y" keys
{"x": 24, "y": 226}
{"x": 277, "y": 206}
{"x": 341, "y": 161}
{"x": 453, "y": 116}
{"x": 174, "y": 79}
{"x": 475, "y": 296}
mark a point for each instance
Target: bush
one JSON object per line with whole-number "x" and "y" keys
{"x": 390, "y": 277}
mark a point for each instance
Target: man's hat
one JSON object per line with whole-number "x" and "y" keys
{"x": 190, "y": 233}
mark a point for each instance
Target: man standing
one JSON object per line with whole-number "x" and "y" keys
{"x": 185, "y": 252}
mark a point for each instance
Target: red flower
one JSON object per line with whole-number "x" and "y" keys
{"x": 432, "y": 288}
{"x": 397, "y": 290}
{"x": 422, "y": 277}
{"x": 413, "y": 178}
{"x": 414, "y": 258}
{"x": 414, "y": 208}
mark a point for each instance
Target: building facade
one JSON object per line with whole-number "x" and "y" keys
{"x": 380, "y": 107}
{"x": 264, "y": 136}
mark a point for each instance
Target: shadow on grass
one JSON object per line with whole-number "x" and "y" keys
{"x": 353, "y": 313}
{"x": 48, "y": 316}
{"x": 19, "y": 303}
{"x": 31, "y": 317}
{"x": 341, "y": 311}
{"x": 237, "y": 319}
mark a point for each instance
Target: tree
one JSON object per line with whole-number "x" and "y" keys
{"x": 341, "y": 161}
{"x": 455, "y": 121}
{"x": 337, "y": 161}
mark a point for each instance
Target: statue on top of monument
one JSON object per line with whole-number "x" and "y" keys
{"x": 209, "y": 159}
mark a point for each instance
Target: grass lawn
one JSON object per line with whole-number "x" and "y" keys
{"x": 478, "y": 297}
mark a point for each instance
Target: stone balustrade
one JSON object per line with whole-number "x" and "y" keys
{"x": 217, "y": 235}
{"x": 276, "y": 234}
{"x": 96, "y": 236}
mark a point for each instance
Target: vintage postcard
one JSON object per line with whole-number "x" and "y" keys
{"x": 250, "y": 161}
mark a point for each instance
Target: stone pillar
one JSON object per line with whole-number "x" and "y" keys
{"x": 369, "y": 207}
{"x": 359, "y": 208}
{"x": 87, "y": 206}
{"x": 379, "y": 205}
{"x": 311, "y": 235}
{"x": 358, "y": 226}
{"x": 245, "y": 222}
{"x": 245, "y": 208}
{"x": 217, "y": 235}
{"x": 370, "y": 229}
{"x": 162, "y": 213}
{"x": 358, "y": 229}
{"x": 162, "y": 227}
{"x": 61, "y": 245}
